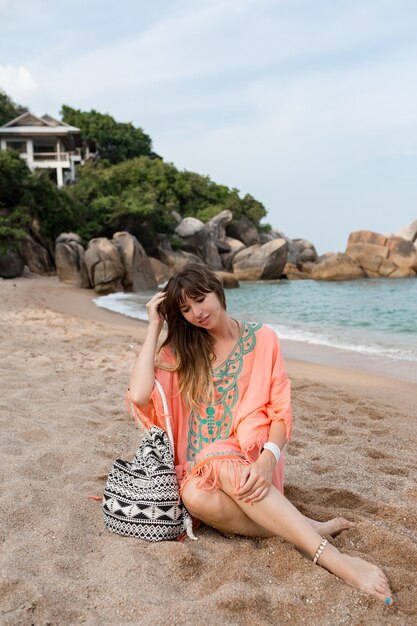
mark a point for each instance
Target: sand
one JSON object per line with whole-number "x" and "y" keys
{"x": 64, "y": 368}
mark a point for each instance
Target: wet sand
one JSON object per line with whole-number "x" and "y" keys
{"x": 64, "y": 368}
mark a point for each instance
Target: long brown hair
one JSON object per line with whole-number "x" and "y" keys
{"x": 191, "y": 345}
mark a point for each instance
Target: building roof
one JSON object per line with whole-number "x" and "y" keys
{"x": 29, "y": 124}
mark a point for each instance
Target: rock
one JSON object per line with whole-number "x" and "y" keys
{"x": 104, "y": 266}
{"x": 308, "y": 255}
{"x": 178, "y": 259}
{"x": 162, "y": 272}
{"x": 244, "y": 230}
{"x": 189, "y": 226}
{"x": 11, "y": 265}
{"x": 36, "y": 257}
{"x": 291, "y": 272}
{"x": 337, "y": 267}
{"x": 409, "y": 232}
{"x": 386, "y": 268}
{"x": 261, "y": 262}
{"x": 69, "y": 260}
{"x": 402, "y": 252}
{"x": 366, "y": 236}
{"x": 177, "y": 217}
{"x": 234, "y": 246}
{"x": 368, "y": 255}
{"x": 402, "y": 272}
{"x": 228, "y": 280}
{"x": 308, "y": 267}
{"x": 139, "y": 275}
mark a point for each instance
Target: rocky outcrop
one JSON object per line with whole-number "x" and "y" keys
{"x": 37, "y": 257}
{"x": 207, "y": 241}
{"x": 104, "y": 266}
{"x": 261, "y": 262}
{"x": 337, "y": 267}
{"x": 177, "y": 259}
{"x": 244, "y": 230}
{"x": 227, "y": 257}
{"x": 69, "y": 260}
{"x": 11, "y": 265}
{"x": 291, "y": 272}
{"x": 162, "y": 272}
{"x": 381, "y": 256}
{"x": 228, "y": 280}
{"x": 139, "y": 275}
{"x": 409, "y": 232}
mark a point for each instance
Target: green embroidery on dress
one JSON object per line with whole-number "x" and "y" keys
{"x": 212, "y": 422}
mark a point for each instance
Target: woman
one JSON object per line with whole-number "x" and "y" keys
{"x": 229, "y": 399}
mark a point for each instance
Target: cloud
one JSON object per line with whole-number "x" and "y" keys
{"x": 18, "y": 82}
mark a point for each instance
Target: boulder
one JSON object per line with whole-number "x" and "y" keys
{"x": 402, "y": 272}
{"x": 409, "y": 232}
{"x": 402, "y": 252}
{"x": 11, "y": 265}
{"x": 178, "y": 259}
{"x": 69, "y": 260}
{"x": 36, "y": 257}
{"x": 104, "y": 266}
{"x": 308, "y": 267}
{"x": 189, "y": 226}
{"x": 206, "y": 240}
{"x": 228, "y": 280}
{"x": 177, "y": 217}
{"x": 227, "y": 257}
{"x": 244, "y": 230}
{"x": 366, "y": 236}
{"x": 368, "y": 255}
{"x": 291, "y": 272}
{"x": 261, "y": 262}
{"x": 162, "y": 272}
{"x": 386, "y": 268}
{"x": 337, "y": 267}
{"x": 139, "y": 275}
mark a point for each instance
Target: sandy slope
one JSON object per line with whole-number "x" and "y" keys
{"x": 64, "y": 367}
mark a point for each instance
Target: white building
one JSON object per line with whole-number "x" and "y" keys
{"x": 44, "y": 143}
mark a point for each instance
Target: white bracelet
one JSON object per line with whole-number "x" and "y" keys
{"x": 272, "y": 447}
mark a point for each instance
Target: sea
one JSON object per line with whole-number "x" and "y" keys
{"x": 368, "y": 324}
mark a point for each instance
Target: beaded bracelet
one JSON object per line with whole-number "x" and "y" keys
{"x": 320, "y": 550}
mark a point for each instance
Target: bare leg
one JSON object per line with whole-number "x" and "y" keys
{"x": 218, "y": 510}
{"x": 276, "y": 514}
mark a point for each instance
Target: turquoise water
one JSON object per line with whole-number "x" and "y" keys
{"x": 374, "y": 317}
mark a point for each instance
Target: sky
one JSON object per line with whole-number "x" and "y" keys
{"x": 308, "y": 105}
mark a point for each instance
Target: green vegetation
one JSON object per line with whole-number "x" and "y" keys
{"x": 126, "y": 189}
{"x": 30, "y": 204}
{"x": 114, "y": 141}
{"x": 9, "y": 109}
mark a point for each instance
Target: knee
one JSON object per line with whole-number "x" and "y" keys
{"x": 201, "y": 504}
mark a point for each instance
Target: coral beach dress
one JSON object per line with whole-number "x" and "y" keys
{"x": 251, "y": 390}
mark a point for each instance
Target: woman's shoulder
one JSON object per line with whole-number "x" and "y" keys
{"x": 166, "y": 356}
{"x": 262, "y": 331}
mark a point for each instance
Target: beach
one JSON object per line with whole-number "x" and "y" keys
{"x": 65, "y": 364}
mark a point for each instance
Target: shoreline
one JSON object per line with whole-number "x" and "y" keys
{"x": 66, "y": 299}
{"x": 64, "y": 367}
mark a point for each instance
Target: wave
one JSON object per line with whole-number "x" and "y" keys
{"x": 133, "y": 305}
{"x": 317, "y": 339}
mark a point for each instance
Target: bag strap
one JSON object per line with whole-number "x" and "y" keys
{"x": 167, "y": 416}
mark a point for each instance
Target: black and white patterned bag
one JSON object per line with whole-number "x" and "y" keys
{"x": 141, "y": 498}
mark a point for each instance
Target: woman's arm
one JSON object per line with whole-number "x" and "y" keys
{"x": 142, "y": 377}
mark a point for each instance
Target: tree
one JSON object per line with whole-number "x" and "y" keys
{"x": 30, "y": 204}
{"x": 9, "y": 109}
{"x": 114, "y": 141}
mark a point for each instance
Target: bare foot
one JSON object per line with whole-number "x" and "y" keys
{"x": 357, "y": 573}
{"x": 333, "y": 527}
{"x": 367, "y": 577}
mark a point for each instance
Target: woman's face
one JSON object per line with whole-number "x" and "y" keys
{"x": 203, "y": 311}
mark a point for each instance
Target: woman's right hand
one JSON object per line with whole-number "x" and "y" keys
{"x": 155, "y": 319}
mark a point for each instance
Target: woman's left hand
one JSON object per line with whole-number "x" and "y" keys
{"x": 257, "y": 478}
